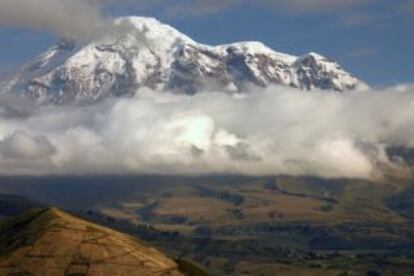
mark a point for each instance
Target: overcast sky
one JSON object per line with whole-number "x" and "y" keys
{"x": 371, "y": 38}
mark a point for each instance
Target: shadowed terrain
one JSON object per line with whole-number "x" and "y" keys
{"x": 249, "y": 226}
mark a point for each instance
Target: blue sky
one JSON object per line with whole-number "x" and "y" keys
{"x": 373, "y": 39}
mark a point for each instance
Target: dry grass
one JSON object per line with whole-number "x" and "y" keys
{"x": 246, "y": 268}
{"x": 53, "y": 242}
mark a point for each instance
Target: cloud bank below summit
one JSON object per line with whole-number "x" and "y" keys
{"x": 275, "y": 131}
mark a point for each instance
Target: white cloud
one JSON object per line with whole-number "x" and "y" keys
{"x": 203, "y": 7}
{"x": 80, "y": 18}
{"x": 275, "y": 131}
{"x": 363, "y": 52}
{"x": 319, "y": 5}
{"x": 21, "y": 145}
{"x": 65, "y": 17}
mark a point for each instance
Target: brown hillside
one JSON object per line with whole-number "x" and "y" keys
{"x": 52, "y": 242}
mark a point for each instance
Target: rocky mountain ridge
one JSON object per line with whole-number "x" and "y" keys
{"x": 143, "y": 52}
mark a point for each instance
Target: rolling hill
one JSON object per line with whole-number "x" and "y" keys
{"x": 53, "y": 242}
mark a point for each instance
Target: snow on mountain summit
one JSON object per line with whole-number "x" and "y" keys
{"x": 143, "y": 52}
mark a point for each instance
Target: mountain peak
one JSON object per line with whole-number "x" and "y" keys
{"x": 143, "y": 52}
{"x": 54, "y": 241}
{"x": 315, "y": 56}
{"x": 139, "y": 20}
{"x": 149, "y": 29}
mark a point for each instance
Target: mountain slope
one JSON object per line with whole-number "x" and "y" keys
{"x": 143, "y": 52}
{"x": 52, "y": 242}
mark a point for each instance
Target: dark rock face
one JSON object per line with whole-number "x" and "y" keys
{"x": 312, "y": 74}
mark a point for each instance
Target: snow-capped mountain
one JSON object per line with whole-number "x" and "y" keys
{"x": 143, "y": 52}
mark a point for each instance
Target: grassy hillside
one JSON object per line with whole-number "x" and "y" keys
{"x": 53, "y": 242}
{"x": 252, "y": 226}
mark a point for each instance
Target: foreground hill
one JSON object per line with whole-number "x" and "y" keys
{"x": 53, "y": 242}
{"x": 143, "y": 52}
